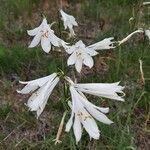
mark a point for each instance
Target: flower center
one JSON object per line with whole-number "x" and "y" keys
{"x": 78, "y": 53}
{"x": 83, "y": 116}
{"x": 45, "y": 34}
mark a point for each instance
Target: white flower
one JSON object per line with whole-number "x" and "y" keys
{"x": 130, "y": 35}
{"x": 43, "y": 88}
{"x": 69, "y": 21}
{"x": 46, "y": 36}
{"x": 107, "y": 90}
{"x": 80, "y": 55}
{"x": 107, "y": 43}
{"x": 147, "y": 33}
{"x": 84, "y": 112}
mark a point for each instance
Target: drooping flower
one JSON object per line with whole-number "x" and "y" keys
{"x": 83, "y": 114}
{"x": 129, "y": 36}
{"x": 107, "y": 43}
{"x": 80, "y": 54}
{"x": 42, "y": 89}
{"x": 69, "y": 22}
{"x": 107, "y": 90}
{"x": 46, "y": 36}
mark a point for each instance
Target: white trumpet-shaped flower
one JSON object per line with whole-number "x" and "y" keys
{"x": 147, "y": 33}
{"x": 107, "y": 90}
{"x": 107, "y": 43}
{"x": 42, "y": 89}
{"x": 83, "y": 114}
{"x": 80, "y": 54}
{"x": 69, "y": 22}
{"x": 46, "y": 36}
{"x": 129, "y": 36}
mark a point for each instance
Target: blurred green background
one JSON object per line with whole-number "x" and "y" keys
{"x": 98, "y": 19}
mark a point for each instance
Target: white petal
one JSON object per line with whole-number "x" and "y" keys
{"x": 78, "y": 64}
{"x": 71, "y": 49}
{"x": 86, "y": 103}
{"x": 91, "y": 51}
{"x": 88, "y": 61}
{"x": 77, "y": 129}
{"x": 70, "y": 121}
{"x": 69, "y": 124}
{"x": 72, "y": 59}
{"x": 34, "y": 31}
{"x": 44, "y": 22}
{"x": 91, "y": 127}
{"x": 147, "y": 32}
{"x": 107, "y": 43}
{"x": 98, "y": 115}
{"x": 27, "y": 89}
{"x": 45, "y": 43}
{"x": 106, "y": 95}
{"x": 80, "y": 44}
{"x": 36, "y": 40}
{"x": 72, "y": 34}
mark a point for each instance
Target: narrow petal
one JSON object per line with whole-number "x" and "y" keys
{"x": 86, "y": 103}
{"x": 77, "y": 129}
{"x": 91, "y": 51}
{"x": 34, "y": 31}
{"x": 72, "y": 33}
{"x": 98, "y": 115}
{"x": 72, "y": 59}
{"x": 36, "y": 40}
{"x": 70, "y": 121}
{"x": 91, "y": 127}
{"x": 28, "y": 88}
{"x": 106, "y": 95}
{"x": 54, "y": 39}
{"x": 78, "y": 64}
{"x": 69, "y": 124}
{"x": 88, "y": 61}
{"x": 147, "y": 32}
{"x": 45, "y": 43}
{"x": 71, "y": 49}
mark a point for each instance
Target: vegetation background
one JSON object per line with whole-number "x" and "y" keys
{"x": 98, "y": 19}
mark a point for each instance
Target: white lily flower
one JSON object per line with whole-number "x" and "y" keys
{"x": 147, "y": 33}
{"x": 69, "y": 22}
{"x": 84, "y": 112}
{"x": 43, "y": 87}
{"x": 80, "y": 54}
{"x": 107, "y": 90}
{"x": 46, "y": 36}
{"x": 129, "y": 36}
{"x": 107, "y": 43}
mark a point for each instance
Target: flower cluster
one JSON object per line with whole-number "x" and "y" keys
{"x": 83, "y": 112}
